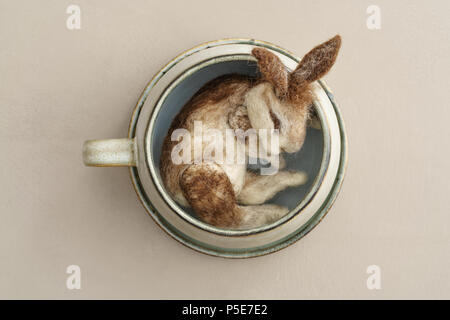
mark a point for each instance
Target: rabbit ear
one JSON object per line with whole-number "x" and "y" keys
{"x": 315, "y": 64}
{"x": 272, "y": 70}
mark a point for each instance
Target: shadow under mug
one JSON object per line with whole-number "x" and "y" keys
{"x": 323, "y": 156}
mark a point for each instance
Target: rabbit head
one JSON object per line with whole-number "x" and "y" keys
{"x": 282, "y": 100}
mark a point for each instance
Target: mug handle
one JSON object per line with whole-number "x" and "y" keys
{"x": 110, "y": 153}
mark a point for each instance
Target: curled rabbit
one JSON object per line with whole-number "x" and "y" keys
{"x": 225, "y": 193}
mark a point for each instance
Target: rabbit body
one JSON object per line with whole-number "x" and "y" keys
{"x": 224, "y": 194}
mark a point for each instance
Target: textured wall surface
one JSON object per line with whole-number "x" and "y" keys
{"x": 59, "y": 87}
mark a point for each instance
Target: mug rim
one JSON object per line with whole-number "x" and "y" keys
{"x": 303, "y": 229}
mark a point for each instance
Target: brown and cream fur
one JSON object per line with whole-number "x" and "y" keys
{"x": 229, "y": 196}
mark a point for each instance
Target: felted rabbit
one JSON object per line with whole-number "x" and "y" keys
{"x": 228, "y": 195}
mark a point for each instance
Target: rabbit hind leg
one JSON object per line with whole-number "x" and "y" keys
{"x": 210, "y": 193}
{"x": 261, "y": 188}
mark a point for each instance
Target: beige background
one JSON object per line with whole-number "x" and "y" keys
{"x": 60, "y": 87}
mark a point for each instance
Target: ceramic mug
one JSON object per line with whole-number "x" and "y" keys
{"x": 323, "y": 156}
